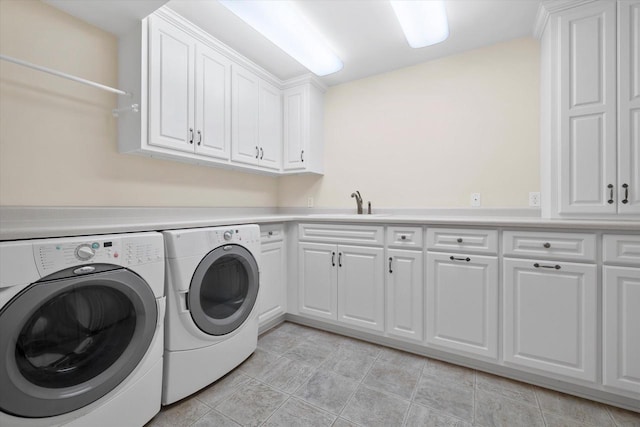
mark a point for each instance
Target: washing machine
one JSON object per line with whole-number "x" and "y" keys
{"x": 212, "y": 286}
{"x": 81, "y": 330}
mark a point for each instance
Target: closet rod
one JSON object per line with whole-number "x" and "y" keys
{"x": 63, "y": 75}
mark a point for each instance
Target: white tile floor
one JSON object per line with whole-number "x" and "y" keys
{"x": 301, "y": 376}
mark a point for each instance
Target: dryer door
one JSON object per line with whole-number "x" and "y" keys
{"x": 67, "y": 341}
{"x": 224, "y": 289}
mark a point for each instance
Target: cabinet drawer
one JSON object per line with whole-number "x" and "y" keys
{"x": 363, "y": 234}
{"x": 571, "y": 246}
{"x": 405, "y": 237}
{"x": 621, "y": 249}
{"x": 271, "y": 233}
{"x": 462, "y": 240}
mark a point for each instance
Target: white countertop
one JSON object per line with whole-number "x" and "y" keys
{"x": 29, "y": 222}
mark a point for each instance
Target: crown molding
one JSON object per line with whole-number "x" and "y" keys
{"x": 549, "y": 7}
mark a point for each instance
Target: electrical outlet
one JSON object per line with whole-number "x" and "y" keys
{"x": 534, "y": 198}
{"x": 310, "y": 202}
{"x": 475, "y": 200}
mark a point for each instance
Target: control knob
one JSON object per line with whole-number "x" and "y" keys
{"x": 85, "y": 252}
{"x": 227, "y": 235}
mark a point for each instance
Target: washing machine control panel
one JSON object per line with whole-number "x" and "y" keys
{"x": 237, "y": 235}
{"x": 58, "y": 254}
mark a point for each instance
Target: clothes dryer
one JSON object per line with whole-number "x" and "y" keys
{"x": 81, "y": 330}
{"x": 212, "y": 287}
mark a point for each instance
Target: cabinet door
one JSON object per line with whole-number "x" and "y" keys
{"x": 621, "y": 329}
{"x": 318, "y": 280}
{"x": 629, "y": 101}
{"x": 273, "y": 297}
{"x": 171, "y": 86}
{"x": 244, "y": 128}
{"x": 550, "y": 317}
{"x": 270, "y": 135}
{"x": 587, "y": 110}
{"x": 296, "y": 127}
{"x": 462, "y": 303}
{"x": 361, "y": 286}
{"x": 213, "y": 103}
{"x": 404, "y": 294}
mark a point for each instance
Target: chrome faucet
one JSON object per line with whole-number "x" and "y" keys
{"x": 358, "y": 201}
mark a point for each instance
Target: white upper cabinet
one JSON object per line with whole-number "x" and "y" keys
{"x": 629, "y": 107}
{"x": 171, "y": 86}
{"x": 590, "y": 114}
{"x": 270, "y": 126}
{"x": 213, "y": 100}
{"x": 202, "y": 102}
{"x": 245, "y": 90}
{"x": 303, "y": 129}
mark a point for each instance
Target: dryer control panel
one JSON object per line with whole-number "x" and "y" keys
{"x": 56, "y": 254}
{"x": 234, "y": 234}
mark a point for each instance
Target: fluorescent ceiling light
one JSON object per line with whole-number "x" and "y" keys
{"x": 424, "y": 22}
{"x": 282, "y": 24}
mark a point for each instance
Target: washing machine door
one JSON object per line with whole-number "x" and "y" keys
{"x": 224, "y": 289}
{"x": 68, "y": 340}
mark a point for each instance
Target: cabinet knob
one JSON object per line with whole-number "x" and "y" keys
{"x": 403, "y": 237}
{"x": 547, "y": 245}
{"x": 459, "y": 240}
{"x": 271, "y": 233}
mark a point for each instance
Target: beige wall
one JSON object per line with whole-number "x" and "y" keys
{"x": 424, "y": 136}
{"x": 431, "y": 134}
{"x": 58, "y": 141}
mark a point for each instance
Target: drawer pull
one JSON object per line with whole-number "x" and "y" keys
{"x": 547, "y": 245}
{"x": 610, "y": 187}
{"x": 459, "y": 240}
{"x": 333, "y": 259}
{"x": 536, "y": 265}
{"x": 452, "y": 258}
{"x": 390, "y": 261}
{"x": 626, "y": 193}
{"x": 403, "y": 237}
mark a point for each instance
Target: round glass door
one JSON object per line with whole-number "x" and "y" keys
{"x": 224, "y": 290}
{"x": 67, "y": 342}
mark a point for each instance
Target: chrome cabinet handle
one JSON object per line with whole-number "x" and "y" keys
{"x": 257, "y": 152}
{"x": 190, "y": 135}
{"x": 333, "y": 259}
{"x": 536, "y": 265}
{"x": 339, "y": 259}
{"x": 610, "y": 187}
{"x": 626, "y": 193}
{"x": 390, "y": 261}
{"x": 547, "y": 245}
{"x": 452, "y": 258}
{"x": 199, "y": 137}
{"x": 261, "y": 153}
{"x": 302, "y": 156}
{"x": 459, "y": 240}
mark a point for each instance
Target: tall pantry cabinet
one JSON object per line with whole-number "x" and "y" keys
{"x": 590, "y": 118}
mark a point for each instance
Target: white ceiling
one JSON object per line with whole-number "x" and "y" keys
{"x": 364, "y": 33}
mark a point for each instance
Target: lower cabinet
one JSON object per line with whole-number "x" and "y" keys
{"x": 550, "y": 316}
{"x": 462, "y": 303}
{"x": 404, "y": 295}
{"x": 273, "y": 295}
{"x": 342, "y": 282}
{"x": 621, "y": 328}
